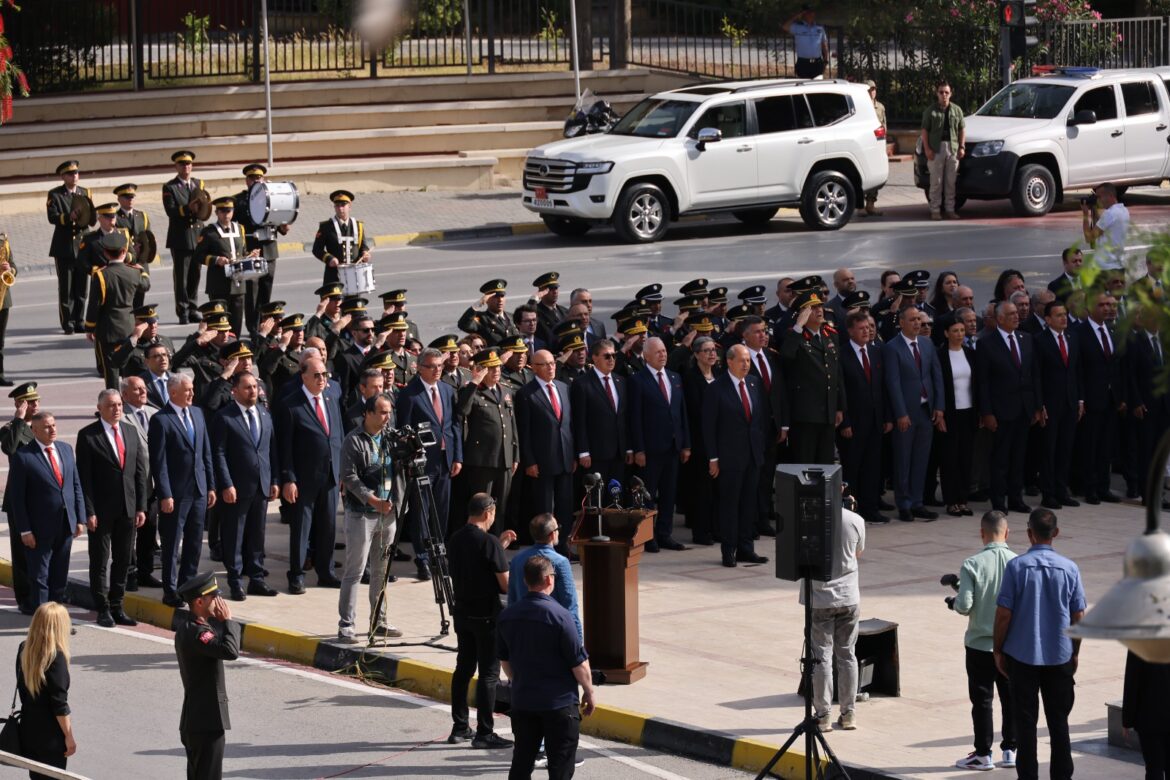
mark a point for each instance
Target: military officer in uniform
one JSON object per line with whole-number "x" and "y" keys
{"x": 393, "y": 326}
{"x": 486, "y": 317}
{"x": 573, "y": 356}
{"x": 109, "y": 321}
{"x": 453, "y": 373}
{"x": 815, "y": 402}
{"x": 340, "y": 239}
{"x": 268, "y": 317}
{"x": 183, "y": 235}
{"x": 236, "y": 358}
{"x": 221, "y": 243}
{"x": 905, "y": 294}
{"x": 201, "y": 352}
{"x": 135, "y": 222}
{"x": 393, "y": 302}
{"x": 921, "y": 281}
{"x": 280, "y": 361}
{"x": 90, "y": 254}
{"x": 14, "y": 434}
{"x": 515, "y": 372}
{"x": 629, "y": 356}
{"x": 491, "y": 449}
{"x": 7, "y": 265}
{"x": 205, "y": 637}
{"x": 65, "y": 247}
{"x": 263, "y": 237}
{"x": 716, "y": 308}
{"x": 656, "y": 321}
{"x": 549, "y": 313}
{"x": 321, "y": 325}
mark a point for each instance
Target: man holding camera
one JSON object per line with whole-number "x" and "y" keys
{"x": 978, "y": 583}
{"x": 1104, "y": 222}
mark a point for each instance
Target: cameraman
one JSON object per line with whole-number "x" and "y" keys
{"x": 978, "y": 584}
{"x": 370, "y": 516}
{"x": 1105, "y": 232}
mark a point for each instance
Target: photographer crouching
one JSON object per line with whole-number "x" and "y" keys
{"x": 367, "y": 474}
{"x": 978, "y": 584}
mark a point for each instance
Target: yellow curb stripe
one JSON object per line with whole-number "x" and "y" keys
{"x": 752, "y": 755}
{"x": 528, "y": 228}
{"x": 291, "y": 246}
{"x": 426, "y": 679}
{"x": 5, "y": 572}
{"x": 149, "y": 611}
{"x": 289, "y": 645}
{"x": 616, "y": 724}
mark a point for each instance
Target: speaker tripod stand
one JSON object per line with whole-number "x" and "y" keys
{"x": 808, "y": 728}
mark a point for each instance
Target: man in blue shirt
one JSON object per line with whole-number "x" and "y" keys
{"x": 1041, "y": 596}
{"x": 542, "y": 654}
{"x": 812, "y": 44}
{"x": 546, "y": 532}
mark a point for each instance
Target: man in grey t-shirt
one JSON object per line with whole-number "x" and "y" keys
{"x": 836, "y": 611}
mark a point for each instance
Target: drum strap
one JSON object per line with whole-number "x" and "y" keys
{"x": 231, "y": 239}
{"x": 346, "y": 241}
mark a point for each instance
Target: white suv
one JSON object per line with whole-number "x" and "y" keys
{"x": 744, "y": 147}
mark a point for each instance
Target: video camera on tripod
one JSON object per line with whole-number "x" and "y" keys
{"x": 408, "y": 447}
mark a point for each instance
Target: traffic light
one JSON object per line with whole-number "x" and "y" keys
{"x": 1017, "y": 16}
{"x": 1011, "y": 13}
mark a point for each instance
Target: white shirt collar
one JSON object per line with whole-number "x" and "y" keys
{"x": 309, "y": 395}
{"x": 909, "y": 342}
{"x": 245, "y": 409}
{"x": 602, "y": 377}
{"x": 179, "y": 410}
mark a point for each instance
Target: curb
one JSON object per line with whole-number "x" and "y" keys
{"x": 432, "y": 236}
{"x": 434, "y": 682}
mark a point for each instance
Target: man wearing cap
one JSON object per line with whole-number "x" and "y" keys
{"x": 15, "y": 434}
{"x": 328, "y": 312}
{"x": 601, "y": 403}
{"x": 812, "y": 369}
{"x": 221, "y": 243}
{"x": 755, "y": 299}
{"x": 879, "y": 108}
{"x": 65, "y": 247}
{"x": 134, "y": 222}
{"x": 7, "y": 266}
{"x": 280, "y": 362}
{"x": 393, "y": 340}
{"x": 516, "y": 372}
{"x": 183, "y": 234}
{"x": 91, "y": 254}
{"x": 201, "y": 351}
{"x": 656, "y": 322}
{"x": 236, "y": 358}
{"x": 453, "y": 373}
{"x": 145, "y": 335}
{"x": 548, "y": 311}
{"x": 491, "y": 448}
{"x": 114, "y": 470}
{"x": 205, "y": 637}
{"x": 268, "y": 317}
{"x": 487, "y": 316}
{"x": 904, "y": 297}
{"x": 340, "y": 240}
{"x": 575, "y": 359}
{"x": 812, "y": 44}
{"x": 261, "y": 237}
{"x": 634, "y": 331}
{"x": 393, "y": 302}
{"x": 109, "y": 321}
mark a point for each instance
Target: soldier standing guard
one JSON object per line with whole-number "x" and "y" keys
{"x": 136, "y": 222}
{"x": 221, "y": 243}
{"x": 205, "y": 638}
{"x": 109, "y": 321}
{"x": 65, "y": 247}
{"x": 183, "y": 235}
{"x": 340, "y": 240}
{"x": 262, "y": 237}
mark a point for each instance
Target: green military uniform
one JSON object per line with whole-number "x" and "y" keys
{"x": 816, "y": 394}
{"x": 229, "y": 242}
{"x": 182, "y": 236}
{"x": 492, "y": 326}
{"x": 457, "y": 378}
{"x": 136, "y": 222}
{"x": 515, "y": 380}
{"x": 65, "y": 248}
{"x": 110, "y": 316}
{"x": 491, "y": 447}
{"x": 202, "y": 359}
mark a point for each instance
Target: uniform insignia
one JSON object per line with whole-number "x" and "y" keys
{"x": 206, "y": 636}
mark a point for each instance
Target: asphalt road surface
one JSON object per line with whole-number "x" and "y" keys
{"x": 288, "y": 721}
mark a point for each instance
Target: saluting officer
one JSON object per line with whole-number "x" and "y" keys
{"x": 491, "y": 449}
{"x": 183, "y": 235}
{"x": 549, "y": 313}
{"x": 65, "y": 247}
{"x": 201, "y": 352}
{"x": 135, "y": 222}
{"x": 514, "y": 354}
{"x": 393, "y": 328}
{"x": 323, "y": 321}
{"x": 262, "y": 237}
{"x": 145, "y": 315}
{"x": 281, "y": 360}
{"x": 453, "y": 373}
{"x": 7, "y": 265}
{"x": 14, "y": 434}
{"x": 205, "y": 638}
{"x": 487, "y": 317}
{"x": 815, "y": 402}
{"x": 393, "y": 302}
{"x": 221, "y": 243}
{"x": 109, "y": 322}
{"x": 342, "y": 239}
{"x": 268, "y": 317}
{"x": 91, "y": 254}
{"x": 656, "y": 321}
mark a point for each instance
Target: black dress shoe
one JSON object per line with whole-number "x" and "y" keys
{"x": 149, "y": 581}
{"x": 195, "y": 316}
{"x": 366, "y": 577}
{"x": 491, "y": 741}
{"x": 105, "y": 620}
{"x": 296, "y": 588}
{"x": 237, "y": 594}
{"x": 670, "y": 544}
{"x": 183, "y": 319}
{"x": 28, "y": 611}
{"x": 402, "y": 555}
{"x": 260, "y": 588}
{"x": 1050, "y": 503}
{"x": 174, "y": 601}
{"x": 954, "y": 511}
{"x": 751, "y": 557}
{"x": 877, "y": 520}
{"x": 328, "y": 582}
{"x": 1109, "y": 497}
{"x": 905, "y": 516}
{"x": 967, "y": 512}
{"x": 460, "y": 735}
{"x": 1070, "y": 501}
{"x": 67, "y": 328}
{"x": 1017, "y": 505}
{"x": 886, "y": 506}
{"x": 923, "y": 513}
{"x": 5, "y": 382}
{"x": 651, "y": 546}
{"x": 729, "y": 560}
{"x": 122, "y": 619}
{"x": 79, "y": 327}
{"x": 423, "y": 572}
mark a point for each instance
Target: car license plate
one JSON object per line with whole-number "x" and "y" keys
{"x": 539, "y": 192}
{"x": 542, "y": 203}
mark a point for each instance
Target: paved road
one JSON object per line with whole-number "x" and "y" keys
{"x": 289, "y": 721}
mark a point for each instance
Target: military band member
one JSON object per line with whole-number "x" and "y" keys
{"x": 515, "y": 371}
{"x": 109, "y": 321}
{"x": 491, "y": 449}
{"x": 263, "y": 237}
{"x": 393, "y": 302}
{"x": 7, "y": 265}
{"x": 135, "y": 221}
{"x": 815, "y": 402}
{"x": 14, "y": 434}
{"x": 341, "y": 239}
{"x": 90, "y": 253}
{"x": 65, "y": 248}
{"x": 221, "y": 243}
{"x": 183, "y": 235}
{"x": 453, "y": 373}
{"x": 549, "y": 313}
{"x": 486, "y": 317}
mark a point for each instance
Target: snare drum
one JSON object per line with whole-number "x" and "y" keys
{"x": 273, "y": 203}
{"x": 356, "y": 278}
{"x": 247, "y": 269}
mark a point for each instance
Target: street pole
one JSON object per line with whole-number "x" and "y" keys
{"x": 267, "y": 79}
{"x": 1005, "y": 55}
{"x": 467, "y": 33}
{"x": 573, "y": 48}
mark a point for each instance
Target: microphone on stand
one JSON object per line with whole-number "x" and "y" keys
{"x": 638, "y": 492}
{"x": 615, "y": 492}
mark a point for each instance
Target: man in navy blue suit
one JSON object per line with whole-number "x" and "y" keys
{"x": 1008, "y": 389}
{"x": 47, "y": 509}
{"x": 1104, "y": 394}
{"x": 426, "y": 399}
{"x": 184, "y": 483}
{"x": 243, "y": 446}
{"x": 1058, "y": 361}
{"x": 544, "y": 424}
{"x": 659, "y": 436}
{"x": 866, "y": 415}
{"x": 308, "y": 435}
{"x": 736, "y": 424}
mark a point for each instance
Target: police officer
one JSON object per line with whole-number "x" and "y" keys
{"x": 340, "y": 239}
{"x": 14, "y": 434}
{"x": 109, "y": 322}
{"x": 491, "y": 449}
{"x": 135, "y": 222}
{"x": 183, "y": 234}
{"x": 487, "y": 317}
{"x": 656, "y": 321}
{"x": 65, "y": 247}
{"x": 221, "y": 243}
{"x": 205, "y": 637}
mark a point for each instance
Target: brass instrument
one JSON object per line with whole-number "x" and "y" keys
{"x": 7, "y": 278}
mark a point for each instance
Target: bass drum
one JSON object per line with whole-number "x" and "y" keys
{"x": 273, "y": 203}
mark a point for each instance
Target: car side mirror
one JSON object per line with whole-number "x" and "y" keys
{"x": 1084, "y": 117}
{"x": 708, "y": 135}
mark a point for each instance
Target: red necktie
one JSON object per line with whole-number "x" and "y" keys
{"x": 1105, "y": 342}
{"x": 918, "y": 362}
{"x": 321, "y": 414}
{"x": 437, "y": 405}
{"x": 743, "y": 396}
{"x": 1015, "y": 350}
{"x": 865, "y": 364}
{"x": 764, "y": 371}
{"x": 662, "y": 387}
{"x": 120, "y": 447}
{"x": 552, "y": 397}
{"x": 53, "y": 465}
{"x": 1063, "y": 349}
{"x": 609, "y": 394}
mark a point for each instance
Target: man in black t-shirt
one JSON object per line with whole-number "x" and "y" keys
{"x": 479, "y": 572}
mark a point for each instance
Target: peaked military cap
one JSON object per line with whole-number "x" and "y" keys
{"x": 446, "y": 343}
{"x": 272, "y": 309}
{"x": 331, "y": 290}
{"x": 235, "y": 349}
{"x": 494, "y": 287}
{"x": 754, "y": 295}
{"x": 381, "y": 361}
{"x": 858, "y": 299}
{"x": 487, "y": 358}
{"x": 918, "y": 278}
{"x": 115, "y": 241}
{"x": 393, "y": 296}
{"x": 147, "y": 313}
{"x": 695, "y": 287}
{"x": 718, "y": 295}
{"x": 544, "y": 281}
{"x": 25, "y": 392}
{"x": 355, "y": 305}
{"x": 126, "y": 190}
{"x": 218, "y": 322}
{"x": 651, "y": 293}
{"x": 341, "y": 196}
{"x": 107, "y": 210}
{"x": 202, "y": 584}
{"x": 702, "y": 324}
{"x": 688, "y": 303}
{"x": 225, "y": 202}
{"x": 513, "y": 344}
{"x": 213, "y": 306}
{"x": 808, "y": 298}
{"x": 293, "y": 322}
{"x": 69, "y": 166}
{"x": 905, "y": 286}
{"x": 255, "y": 169}
{"x": 183, "y": 156}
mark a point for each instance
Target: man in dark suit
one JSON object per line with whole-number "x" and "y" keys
{"x": 491, "y": 446}
{"x": 544, "y": 422}
{"x": 426, "y": 399}
{"x": 1103, "y": 386}
{"x": 184, "y": 483}
{"x": 183, "y": 235}
{"x": 65, "y": 248}
{"x": 914, "y": 392}
{"x": 157, "y": 375}
{"x": 1058, "y": 363}
{"x": 1069, "y": 279}
{"x": 594, "y": 328}
{"x": 309, "y": 434}
{"x": 47, "y": 509}
{"x": 765, "y": 366}
{"x": 14, "y": 434}
{"x": 136, "y": 413}
{"x": 526, "y": 321}
{"x": 859, "y": 439}
{"x": 114, "y": 470}
{"x": 735, "y": 429}
{"x": 812, "y": 369}
{"x": 600, "y": 402}
{"x": 1008, "y": 391}
{"x": 660, "y": 437}
{"x": 243, "y": 446}
{"x": 1148, "y": 401}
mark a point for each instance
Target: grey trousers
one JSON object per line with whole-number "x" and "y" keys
{"x": 366, "y": 539}
{"x": 834, "y": 636}
{"x": 944, "y": 172}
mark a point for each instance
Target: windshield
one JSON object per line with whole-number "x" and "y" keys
{"x": 656, "y": 118}
{"x": 1028, "y": 101}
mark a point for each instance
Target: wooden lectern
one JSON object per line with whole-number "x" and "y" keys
{"x": 610, "y": 587}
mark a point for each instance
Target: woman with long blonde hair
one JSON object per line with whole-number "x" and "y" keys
{"x": 42, "y": 678}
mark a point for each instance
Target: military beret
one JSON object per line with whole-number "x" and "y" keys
{"x": 695, "y": 287}
{"x": 225, "y": 202}
{"x": 808, "y": 298}
{"x": 513, "y": 344}
{"x": 202, "y": 584}
{"x": 494, "y": 287}
{"x": 487, "y": 358}
{"x": 446, "y": 343}
{"x": 235, "y": 349}
{"x": 393, "y": 296}
{"x": 651, "y": 293}
{"x": 255, "y": 169}
{"x": 754, "y": 295}
{"x": 183, "y": 156}
{"x": 26, "y": 391}
{"x": 331, "y": 290}
{"x": 293, "y": 322}
{"x": 69, "y": 166}
{"x": 341, "y": 196}
{"x": 213, "y": 306}
{"x": 546, "y": 280}
{"x": 126, "y": 190}
{"x": 858, "y": 299}
{"x": 918, "y": 278}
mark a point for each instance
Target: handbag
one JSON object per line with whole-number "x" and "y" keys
{"x": 10, "y": 733}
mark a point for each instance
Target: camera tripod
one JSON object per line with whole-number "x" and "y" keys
{"x": 808, "y": 728}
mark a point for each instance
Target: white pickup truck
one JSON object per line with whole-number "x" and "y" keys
{"x": 1069, "y": 129}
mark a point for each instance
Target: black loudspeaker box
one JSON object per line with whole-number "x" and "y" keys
{"x": 808, "y": 507}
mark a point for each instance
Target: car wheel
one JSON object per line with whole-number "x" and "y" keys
{"x": 565, "y": 226}
{"x": 828, "y": 201}
{"x": 756, "y": 217}
{"x": 642, "y": 214}
{"x": 1034, "y": 192}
